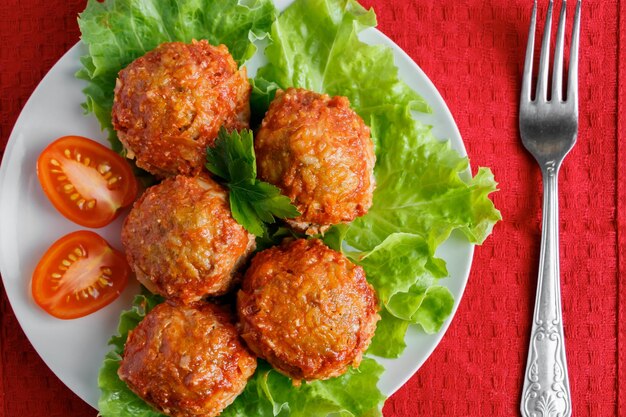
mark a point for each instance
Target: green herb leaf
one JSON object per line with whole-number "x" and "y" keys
{"x": 252, "y": 202}
{"x": 274, "y": 235}
{"x": 232, "y": 156}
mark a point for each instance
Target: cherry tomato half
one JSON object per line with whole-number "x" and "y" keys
{"x": 87, "y": 182}
{"x": 79, "y": 274}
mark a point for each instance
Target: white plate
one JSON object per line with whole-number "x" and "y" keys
{"x": 29, "y": 224}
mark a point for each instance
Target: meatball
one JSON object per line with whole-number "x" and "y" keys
{"x": 182, "y": 241}
{"x": 307, "y": 310}
{"x": 318, "y": 151}
{"x": 186, "y": 361}
{"x": 170, "y": 103}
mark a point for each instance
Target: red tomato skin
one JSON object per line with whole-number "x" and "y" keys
{"x": 94, "y": 246}
{"x": 125, "y": 191}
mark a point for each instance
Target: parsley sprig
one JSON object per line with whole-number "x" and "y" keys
{"x": 254, "y": 203}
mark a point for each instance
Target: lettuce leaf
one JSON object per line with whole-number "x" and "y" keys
{"x": 423, "y": 191}
{"x": 388, "y": 341}
{"x": 401, "y": 255}
{"x": 421, "y": 196}
{"x": 116, "y": 32}
{"x": 419, "y": 187}
{"x": 271, "y": 394}
{"x": 405, "y": 274}
{"x": 267, "y": 394}
{"x": 116, "y": 399}
{"x": 322, "y": 52}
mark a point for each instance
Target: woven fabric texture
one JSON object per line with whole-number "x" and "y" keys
{"x": 473, "y": 52}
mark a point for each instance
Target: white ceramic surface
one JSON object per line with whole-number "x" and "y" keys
{"x": 29, "y": 224}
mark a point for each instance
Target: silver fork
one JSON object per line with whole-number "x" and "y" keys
{"x": 548, "y": 128}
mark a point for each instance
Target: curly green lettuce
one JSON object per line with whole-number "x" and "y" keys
{"x": 421, "y": 196}
{"x": 267, "y": 394}
{"x": 116, "y": 399}
{"x": 116, "y": 32}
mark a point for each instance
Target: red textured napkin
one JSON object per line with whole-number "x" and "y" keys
{"x": 472, "y": 50}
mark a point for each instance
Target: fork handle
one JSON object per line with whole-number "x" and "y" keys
{"x": 546, "y": 390}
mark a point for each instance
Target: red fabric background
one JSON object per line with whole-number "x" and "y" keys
{"x": 472, "y": 50}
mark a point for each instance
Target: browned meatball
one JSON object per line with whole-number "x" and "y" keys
{"x": 318, "y": 151}
{"x": 186, "y": 361}
{"x": 182, "y": 241}
{"x": 170, "y": 103}
{"x": 307, "y": 310}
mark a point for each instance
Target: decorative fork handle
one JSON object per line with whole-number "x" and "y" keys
{"x": 546, "y": 390}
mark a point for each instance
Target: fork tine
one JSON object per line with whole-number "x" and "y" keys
{"x": 528, "y": 62}
{"x": 572, "y": 77}
{"x": 542, "y": 77}
{"x": 557, "y": 71}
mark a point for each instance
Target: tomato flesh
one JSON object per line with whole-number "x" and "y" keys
{"x": 79, "y": 274}
{"x": 87, "y": 182}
